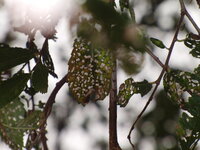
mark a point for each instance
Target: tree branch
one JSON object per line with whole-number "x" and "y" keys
{"x": 47, "y": 110}
{"x": 51, "y": 100}
{"x": 159, "y": 78}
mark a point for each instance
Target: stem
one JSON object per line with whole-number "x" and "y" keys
{"x": 184, "y": 10}
{"x": 51, "y": 100}
{"x": 29, "y": 69}
{"x": 47, "y": 110}
{"x": 113, "y": 143}
{"x": 155, "y": 58}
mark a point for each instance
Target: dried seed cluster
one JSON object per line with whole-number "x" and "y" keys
{"x": 90, "y": 70}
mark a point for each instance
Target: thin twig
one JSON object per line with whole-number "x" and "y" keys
{"x": 155, "y": 58}
{"x": 159, "y": 78}
{"x": 47, "y": 110}
{"x": 51, "y": 100}
{"x": 29, "y": 69}
{"x": 189, "y": 16}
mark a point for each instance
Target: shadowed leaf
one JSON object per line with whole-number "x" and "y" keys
{"x": 40, "y": 78}
{"x": 11, "y": 57}
{"x": 11, "y": 88}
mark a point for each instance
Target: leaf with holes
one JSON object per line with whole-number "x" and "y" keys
{"x": 10, "y": 115}
{"x": 129, "y": 88}
{"x": 189, "y": 127}
{"x": 194, "y": 45}
{"x": 11, "y": 57}
{"x": 189, "y": 124}
{"x": 195, "y": 52}
{"x": 11, "y": 88}
{"x": 176, "y": 82}
{"x": 197, "y": 70}
{"x": 90, "y": 71}
{"x": 47, "y": 60}
{"x": 14, "y": 124}
{"x": 40, "y": 78}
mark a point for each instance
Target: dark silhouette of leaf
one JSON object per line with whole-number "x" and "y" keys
{"x": 11, "y": 57}
{"x": 40, "y": 78}
{"x": 11, "y": 88}
{"x": 47, "y": 60}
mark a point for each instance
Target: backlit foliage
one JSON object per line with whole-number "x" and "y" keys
{"x": 130, "y": 87}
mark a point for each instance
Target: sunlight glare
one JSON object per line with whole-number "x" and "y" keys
{"x": 37, "y": 13}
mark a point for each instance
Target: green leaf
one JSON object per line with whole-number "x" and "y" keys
{"x": 40, "y": 78}
{"x": 189, "y": 43}
{"x": 195, "y": 52}
{"x": 143, "y": 87}
{"x": 11, "y": 57}
{"x": 11, "y": 114}
{"x": 32, "y": 121}
{"x": 177, "y": 82}
{"x": 194, "y": 45}
{"x": 193, "y": 105}
{"x": 90, "y": 71}
{"x": 185, "y": 121}
{"x": 197, "y": 70}
{"x": 14, "y": 124}
{"x": 129, "y": 88}
{"x": 158, "y": 43}
{"x": 190, "y": 127}
{"x": 11, "y": 88}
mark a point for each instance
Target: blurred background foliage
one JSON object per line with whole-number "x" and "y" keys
{"x": 72, "y": 122}
{"x": 159, "y": 125}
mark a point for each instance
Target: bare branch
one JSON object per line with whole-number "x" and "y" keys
{"x": 184, "y": 10}
{"x": 47, "y": 111}
{"x": 155, "y": 58}
{"x": 51, "y": 100}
